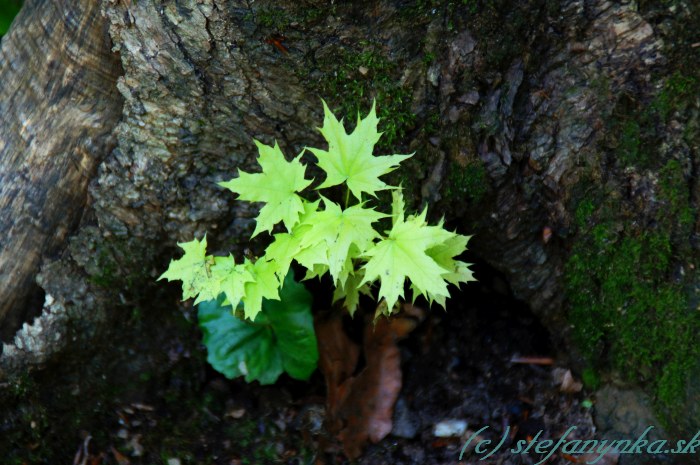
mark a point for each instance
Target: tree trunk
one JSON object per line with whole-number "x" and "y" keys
{"x": 564, "y": 135}
{"x": 59, "y": 106}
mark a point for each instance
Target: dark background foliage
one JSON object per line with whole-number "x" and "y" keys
{"x": 8, "y": 10}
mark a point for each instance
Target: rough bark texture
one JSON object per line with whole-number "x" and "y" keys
{"x": 58, "y": 105}
{"x": 564, "y": 135}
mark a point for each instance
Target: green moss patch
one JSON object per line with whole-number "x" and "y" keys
{"x": 628, "y": 300}
{"x": 629, "y": 275}
{"x": 354, "y": 77}
{"x": 469, "y": 182}
{"x": 636, "y": 128}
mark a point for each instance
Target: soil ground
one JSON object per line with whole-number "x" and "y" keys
{"x": 457, "y": 366}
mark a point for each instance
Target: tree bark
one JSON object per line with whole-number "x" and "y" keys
{"x": 58, "y": 105}
{"x": 547, "y": 129}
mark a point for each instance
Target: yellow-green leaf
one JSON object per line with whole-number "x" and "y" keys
{"x": 349, "y": 157}
{"x": 231, "y": 278}
{"x": 276, "y": 186}
{"x": 337, "y": 231}
{"x": 403, "y": 255}
{"x": 350, "y": 290}
{"x": 444, "y": 254}
{"x": 193, "y": 268}
{"x": 263, "y": 285}
{"x": 286, "y": 246}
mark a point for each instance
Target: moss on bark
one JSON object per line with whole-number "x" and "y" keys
{"x": 631, "y": 272}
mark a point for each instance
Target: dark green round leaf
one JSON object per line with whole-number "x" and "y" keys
{"x": 281, "y": 338}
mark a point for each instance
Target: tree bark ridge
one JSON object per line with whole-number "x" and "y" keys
{"x": 58, "y": 106}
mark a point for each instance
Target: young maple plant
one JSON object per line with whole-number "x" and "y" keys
{"x": 323, "y": 237}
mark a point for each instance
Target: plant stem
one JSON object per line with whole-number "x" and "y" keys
{"x": 347, "y": 196}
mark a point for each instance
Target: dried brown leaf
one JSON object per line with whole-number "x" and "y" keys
{"x": 120, "y": 458}
{"x": 338, "y": 356}
{"x": 360, "y": 408}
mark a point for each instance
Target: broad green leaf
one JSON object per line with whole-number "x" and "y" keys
{"x": 349, "y": 157}
{"x": 337, "y": 231}
{"x": 281, "y": 338}
{"x": 293, "y": 326}
{"x": 193, "y": 268}
{"x": 403, "y": 255}
{"x": 276, "y": 185}
{"x": 8, "y": 11}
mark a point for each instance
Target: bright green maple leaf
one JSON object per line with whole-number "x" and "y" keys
{"x": 350, "y": 291}
{"x": 231, "y": 278}
{"x": 271, "y": 337}
{"x": 314, "y": 259}
{"x": 193, "y": 268}
{"x": 282, "y": 251}
{"x": 349, "y": 157}
{"x": 402, "y": 255}
{"x": 264, "y": 285}
{"x": 333, "y": 232}
{"x": 276, "y": 185}
{"x": 311, "y": 257}
{"x": 444, "y": 254}
{"x": 397, "y": 206}
{"x": 286, "y": 246}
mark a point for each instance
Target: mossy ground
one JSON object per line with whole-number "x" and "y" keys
{"x": 185, "y": 411}
{"x": 176, "y": 409}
